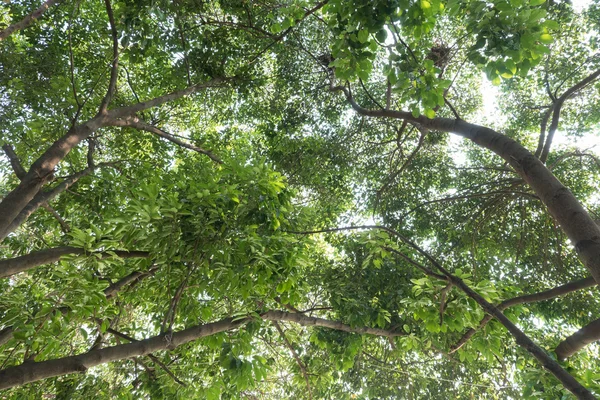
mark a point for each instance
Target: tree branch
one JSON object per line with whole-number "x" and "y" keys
{"x": 150, "y": 356}
{"x": 35, "y": 371}
{"x": 28, "y": 20}
{"x": 568, "y": 381}
{"x": 529, "y": 298}
{"x": 296, "y": 357}
{"x": 135, "y": 122}
{"x": 20, "y": 172}
{"x": 557, "y": 106}
{"x": 562, "y": 205}
{"x": 42, "y": 169}
{"x": 45, "y": 197}
{"x": 577, "y": 341}
{"x": 34, "y": 259}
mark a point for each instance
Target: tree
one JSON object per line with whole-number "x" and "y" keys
{"x": 261, "y": 199}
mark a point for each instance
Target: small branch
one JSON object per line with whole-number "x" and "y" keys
{"x": 295, "y": 355}
{"x": 114, "y": 73}
{"x": 167, "y": 324}
{"x": 305, "y": 320}
{"x": 557, "y": 108}
{"x": 452, "y": 108}
{"x": 443, "y": 295}
{"x": 155, "y": 359}
{"x": 28, "y": 20}
{"x": 132, "y": 279}
{"x": 137, "y": 123}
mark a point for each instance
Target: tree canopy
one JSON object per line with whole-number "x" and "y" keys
{"x": 344, "y": 199}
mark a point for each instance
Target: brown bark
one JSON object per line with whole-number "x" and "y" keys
{"x": 35, "y": 371}
{"x": 15, "y": 265}
{"x": 28, "y": 20}
{"x": 562, "y": 205}
{"x": 42, "y": 169}
{"x": 530, "y": 298}
{"x": 577, "y": 341}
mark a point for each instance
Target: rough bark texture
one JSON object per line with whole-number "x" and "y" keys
{"x": 15, "y": 265}
{"x": 35, "y": 371}
{"x": 530, "y": 298}
{"x": 562, "y": 205}
{"x": 577, "y": 341}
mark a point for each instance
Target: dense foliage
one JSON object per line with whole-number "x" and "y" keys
{"x": 271, "y": 199}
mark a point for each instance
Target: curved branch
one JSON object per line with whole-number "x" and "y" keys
{"x": 45, "y": 197}
{"x": 529, "y": 298}
{"x": 135, "y": 122}
{"x": 557, "y": 106}
{"x": 577, "y": 341}
{"x": 42, "y": 169}
{"x": 7, "y": 333}
{"x": 114, "y": 72}
{"x": 28, "y": 20}
{"x": 561, "y": 203}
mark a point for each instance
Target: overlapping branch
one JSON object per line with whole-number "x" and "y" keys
{"x": 561, "y": 203}
{"x": 529, "y": 298}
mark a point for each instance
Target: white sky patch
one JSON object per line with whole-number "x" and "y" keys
{"x": 580, "y": 5}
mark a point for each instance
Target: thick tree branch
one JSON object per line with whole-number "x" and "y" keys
{"x": 151, "y": 356}
{"x": 35, "y": 371}
{"x": 135, "y": 122}
{"x": 529, "y": 298}
{"x": 568, "y": 381}
{"x": 15, "y": 265}
{"x": 577, "y": 341}
{"x": 45, "y": 197}
{"x": 562, "y": 205}
{"x": 28, "y": 20}
{"x": 521, "y": 338}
